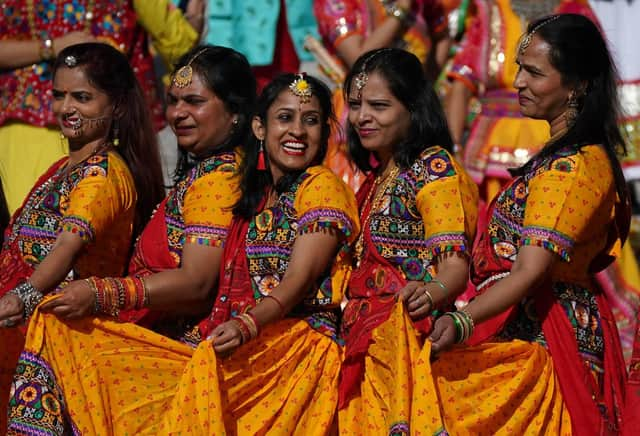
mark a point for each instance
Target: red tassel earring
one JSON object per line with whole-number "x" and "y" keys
{"x": 261, "y": 163}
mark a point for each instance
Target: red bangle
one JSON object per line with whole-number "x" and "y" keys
{"x": 280, "y": 305}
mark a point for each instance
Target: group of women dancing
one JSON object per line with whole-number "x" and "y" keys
{"x": 263, "y": 296}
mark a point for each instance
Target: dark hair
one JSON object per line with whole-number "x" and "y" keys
{"x": 108, "y": 70}
{"x": 579, "y": 52}
{"x": 255, "y": 181}
{"x": 228, "y": 75}
{"x": 408, "y": 83}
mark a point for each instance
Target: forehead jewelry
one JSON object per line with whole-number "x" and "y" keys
{"x": 526, "y": 39}
{"x": 183, "y": 77}
{"x": 301, "y": 89}
{"x": 361, "y": 81}
{"x": 70, "y": 61}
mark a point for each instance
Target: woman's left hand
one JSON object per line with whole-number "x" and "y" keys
{"x": 443, "y": 335}
{"x": 76, "y": 300}
{"x": 415, "y": 298}
{"x": 227, "y": 337}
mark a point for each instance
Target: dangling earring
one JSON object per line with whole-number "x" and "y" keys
{"x": 261, "y": 162}
{"x": 571, "y": 114}
{"x": 62, "y": 139}
{"x": 116, "y": 131}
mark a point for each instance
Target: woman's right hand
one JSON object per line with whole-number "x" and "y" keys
{"x": 11, "y": 310}
{"x": 71, "y": 38}
{"x": 443, "y": 335}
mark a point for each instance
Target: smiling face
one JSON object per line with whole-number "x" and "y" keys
{"x": 541, "y": 93}
{"x": 198, "y": 117}
{"x": 83, "y": 111}
{"x": 292, "y": 133}
{"x": 379, "y": 118}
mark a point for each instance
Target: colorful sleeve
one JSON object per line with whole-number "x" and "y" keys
{"x": 560, "y": 206}
{"x": 170, "y": 32}
{"x": 324, "y": 202}
{"x": 466, "y": 63}
{"x": 338, "y": 19}
{"x": 447, "y": 201}
{"x": 102, "y": 195}
{"x": 207, "y": 208}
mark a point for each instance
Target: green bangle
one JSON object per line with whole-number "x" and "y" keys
{"x": 439, "y": 283}
{"x": 458, "y": 324}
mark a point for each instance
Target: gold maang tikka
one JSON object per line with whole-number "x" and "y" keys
{"x": 183, "y": 77}
{"x": 525, "y": 42}
{"x": 301, "y": 89}
{"x": 361, "y": 81}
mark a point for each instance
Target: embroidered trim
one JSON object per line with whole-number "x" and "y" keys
{"x": 78, "y": 226}
{"x": 549, "y": 239}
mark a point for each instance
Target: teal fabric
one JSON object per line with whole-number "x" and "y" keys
{"x": 249, "y": 26}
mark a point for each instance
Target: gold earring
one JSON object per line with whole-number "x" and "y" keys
{"x": 573, "y": 110}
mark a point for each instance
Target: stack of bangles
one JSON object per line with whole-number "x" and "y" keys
{"x": 116, "y": 294}
{"x": 464, "y": 325}
{"x": 248, "y": 326}
{"x": 29, "y": 295}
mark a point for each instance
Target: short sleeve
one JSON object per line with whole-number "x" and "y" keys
{"x": 562, "y": 201}
{"x": 338, "y": 19}
{"x": 99, "y": 198}
{"x": 207, "y": 207}
{"x": 325, "y": 202}
{"x": 447, "y": 203}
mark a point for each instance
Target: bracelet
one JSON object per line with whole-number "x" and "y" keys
{"x": 247, "y": 325}
{"x": 46, "y": 49}
{"x": 464, "y": 325}
{"x": 401, "y": 14}
{"x": 439, "y": 283}
{"x": 280, "y": 305}
{"x": 145, "y": 298}
{"x": 29, "y": 295}
{"x": 97, "y": 305}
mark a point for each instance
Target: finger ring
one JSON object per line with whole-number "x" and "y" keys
{"x": 9, "y": 323}
{"x": 429, "y": 297}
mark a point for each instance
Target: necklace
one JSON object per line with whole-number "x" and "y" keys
{"x": 375, "y": 198}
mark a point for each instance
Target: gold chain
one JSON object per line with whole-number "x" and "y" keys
{"x": 380, "y": 186}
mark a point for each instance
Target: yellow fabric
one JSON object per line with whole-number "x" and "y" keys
{"x": 448, "y": 205}
{"x": 569, "y": 208}
{"x": 119, "y": 378}
{"x": 208, "y": 204}
{"x": 171, "y": 34}
{"x": 492, "y": 389}
{"x": 397, "y": 388}
{"x": 106, "y": 204}
{"x": 324, "y": 201}
{"x": 26, "y": 152}
{"x": 512, "y": 30}
{"x": 505, "y": 388}
{"x": 323, "y": 190}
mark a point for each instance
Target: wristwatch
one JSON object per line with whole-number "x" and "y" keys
{"x": 46, "y": 49}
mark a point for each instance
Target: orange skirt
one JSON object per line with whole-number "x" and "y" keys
{"x": 105, "y": 377}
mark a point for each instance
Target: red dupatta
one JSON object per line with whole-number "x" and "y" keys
{"x": 579, "y": 389}
{"x": 14, "y": 269}
{"x": 235, "y": 292}
{"x": 373, "y": 290}
{"x": 150, "y": 255}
